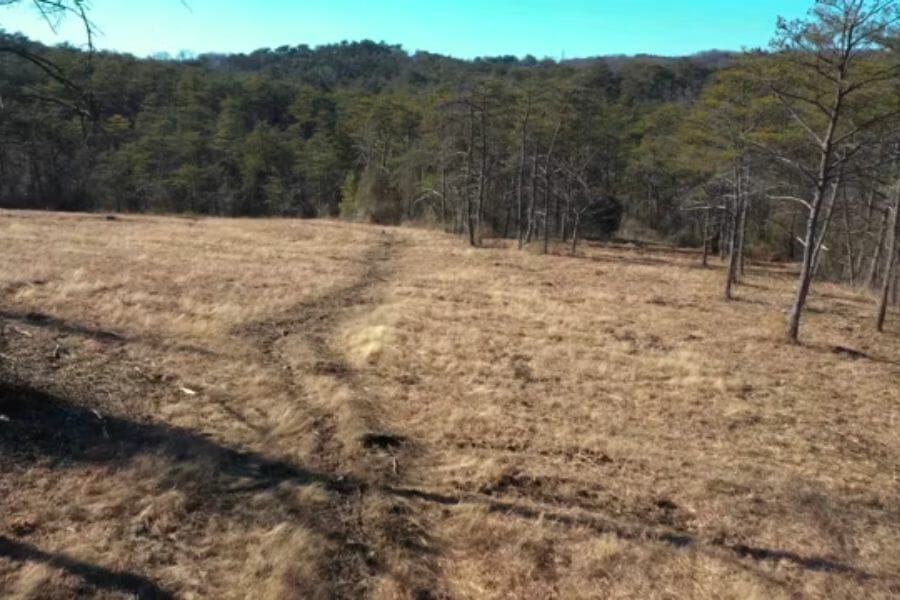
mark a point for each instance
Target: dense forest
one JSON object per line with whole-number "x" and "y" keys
{"x": 790, "y": 153}
{"x": 362, "y": 129}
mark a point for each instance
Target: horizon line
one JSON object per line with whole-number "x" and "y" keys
{"x": 189, "y": 54}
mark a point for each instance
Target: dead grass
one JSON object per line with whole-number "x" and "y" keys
{"x": 234, "y": 408}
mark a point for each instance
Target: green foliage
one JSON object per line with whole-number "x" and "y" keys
{"x": 377, "y": 199}
{"x": 288, "y": 131}
{"x": 349, "y": 208}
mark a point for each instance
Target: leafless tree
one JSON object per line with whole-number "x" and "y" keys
{"x": 891, "y": 262}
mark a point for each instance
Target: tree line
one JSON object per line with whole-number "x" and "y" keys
{"x": 362, "y": 128}
{"x": 786, "y": 154}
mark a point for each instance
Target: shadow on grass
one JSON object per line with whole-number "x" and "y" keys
{"x": 101, "y": 578}
{"x": 753, "y": 286}
{"x": 737, "y": 297}
{"x": 637, "y": 533}
{"x": 641, "y": 261}
{"x": 645, "y": 247}
{"x": 848, "y": 353}
{"x": 38, "y": 319}
{"x": 38, "y": 426}
{"x": 63, "y": 327}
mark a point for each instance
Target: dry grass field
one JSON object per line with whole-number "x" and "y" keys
{"x": 285, "y": 409}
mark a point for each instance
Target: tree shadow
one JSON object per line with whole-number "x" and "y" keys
{"x": 643, "y": 533}
{"x": 64, "y": 327}
{"x": 39, "y": 319}
{"x": 753, "y": 286}
{"x": 641, "y": 261}
{"x": 853, "y": 299}
{"x": 100, "y": 577}
{"x": 39, "y": 427}
{"x": 754, "y": 301}
{"x": 848, "y": 353}
{"x": 772, "y": 271}
{"x": 645, "y": 247}
{"x": 844, "y": 311}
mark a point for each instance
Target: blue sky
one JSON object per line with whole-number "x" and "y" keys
{"x": 463, "y": 28}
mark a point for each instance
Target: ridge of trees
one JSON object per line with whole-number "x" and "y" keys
{"x": 294, "y": 130}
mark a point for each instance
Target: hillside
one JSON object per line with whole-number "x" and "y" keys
{"x": 300, "y": 131}
{"x": 198, "y": 407}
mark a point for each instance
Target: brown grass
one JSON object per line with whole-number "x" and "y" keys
{"x": 235, "y": 408}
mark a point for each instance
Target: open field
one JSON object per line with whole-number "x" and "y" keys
{"x": 286, "y": 409}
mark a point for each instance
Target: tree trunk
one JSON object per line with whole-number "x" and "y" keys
{"x": 826, "y": 225}
{"x": 575, "y": 225}
{"x": 520, "y": 181}
{"x": 727, "y": 228}
{"x": 848, "y": 240}
{"x": 879, "y": 245}
{"x": 806, "y": 267}
{"x": 509, "y": 213}
{"x": 482, "y": 179}
{"x": 532, "y": 198}
{"x": 469, "y": 221}
{"x": 791, "y": 244}
{"x": 744, "y": 204}
{"x": 823, "y": 180}
{"x": 706, "y": 237}
{"x": 443, "y": 191}
{"x": 563, "y": 215}
{"x": 546, "y": 210}
{"x": 861, "y": 255}
{"x": 734, "y": 241}
{"x": 547, "y": 188}
{"x": 895, "y": 290}
{"x": 891, "y": 251}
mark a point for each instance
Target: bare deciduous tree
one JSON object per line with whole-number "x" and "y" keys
{"x": 891, "y": 262}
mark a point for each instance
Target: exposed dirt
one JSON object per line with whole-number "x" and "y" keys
{"x": 359, "y": 462}
{"x": 315, "y": 324}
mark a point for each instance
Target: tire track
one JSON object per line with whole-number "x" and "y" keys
{"x": 377, "y": 532}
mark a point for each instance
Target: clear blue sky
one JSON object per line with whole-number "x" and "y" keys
{"x": 463, "y": 28}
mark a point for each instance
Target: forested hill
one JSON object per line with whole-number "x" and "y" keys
{"x": 364, "y": 129}
{"x": 376, "y": 65}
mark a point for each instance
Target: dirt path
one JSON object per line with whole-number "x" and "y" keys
{"x": 64, "y": 410}
{"x": 376, "y": 531}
